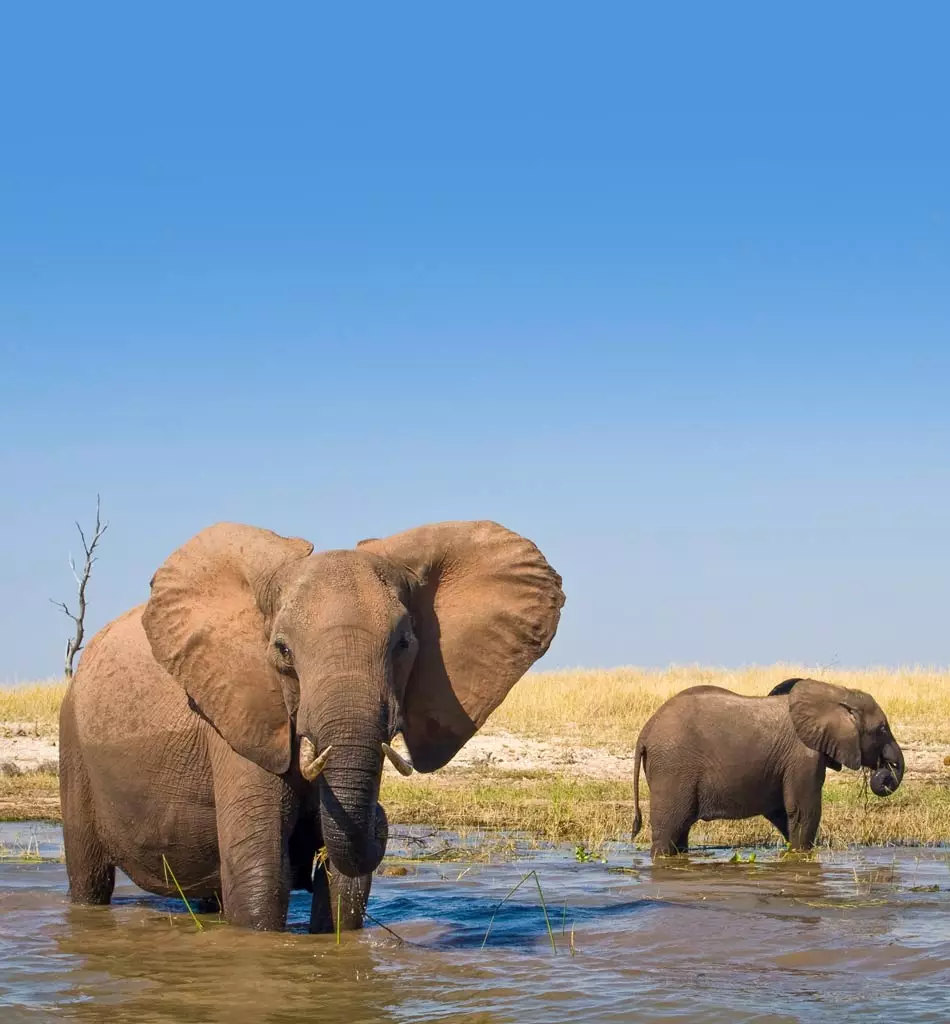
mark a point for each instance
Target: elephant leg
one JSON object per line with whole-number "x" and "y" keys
{"x": 91, "y": 875}
{"x": 672, "y": 840}
{"x": 802, "y": 795}
{"x": 803, "y": 822}
{"x": 780, "y": 820}
{"x": 670, "y": 833}
{"x": 255, "y": 810}
{"x": 337, "y": 897}
{"x": 672, "y": 815}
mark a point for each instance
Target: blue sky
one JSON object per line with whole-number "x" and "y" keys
{"x": 667, "y": 291}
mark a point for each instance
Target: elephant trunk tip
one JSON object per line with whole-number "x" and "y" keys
{"x": 888, "y": 775}
{"x": 884, "y": 781}
{"x": 355, "y": 856}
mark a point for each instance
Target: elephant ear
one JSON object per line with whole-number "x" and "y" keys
{"x": 206, "y": 622}
{"x": 786, "y": 686}
{"x": 485, "y": 606}
{"x": 825, "y": 718}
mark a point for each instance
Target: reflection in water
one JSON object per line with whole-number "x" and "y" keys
{"x": 865, "y": 934}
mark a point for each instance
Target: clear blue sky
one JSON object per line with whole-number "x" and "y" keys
{"x": 664, "y": 287}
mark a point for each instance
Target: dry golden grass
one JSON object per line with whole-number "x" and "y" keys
{"x": 609, "y": 707}
{"x": 34, "y": 703}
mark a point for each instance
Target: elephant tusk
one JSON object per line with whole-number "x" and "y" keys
{"x": 310, "y": 765}
{"x": 397, "y": 760}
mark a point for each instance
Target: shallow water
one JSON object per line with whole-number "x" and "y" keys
{"x": 866, "y": 933}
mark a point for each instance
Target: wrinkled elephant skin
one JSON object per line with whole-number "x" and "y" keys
{"x": 236, "y": 724}
{"x": 712, "y": 754}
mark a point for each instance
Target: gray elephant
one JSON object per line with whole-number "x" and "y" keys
{"x": 216, "y": 737}
{"x": 709, "y": 753}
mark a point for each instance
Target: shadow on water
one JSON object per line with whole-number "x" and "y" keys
{"x": 464, "y": 921}
{"x": 710, "y": 937}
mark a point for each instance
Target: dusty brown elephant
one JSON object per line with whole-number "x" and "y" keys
{"x": 237, "y": 722}
{"x": 709, "y": 753}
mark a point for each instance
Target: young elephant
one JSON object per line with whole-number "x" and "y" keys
{"x": 709, "y": 753}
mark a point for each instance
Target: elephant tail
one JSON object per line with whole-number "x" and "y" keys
{"x": 637, "y": 817}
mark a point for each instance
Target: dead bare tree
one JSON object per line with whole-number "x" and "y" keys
{"x": 74, "y": 643}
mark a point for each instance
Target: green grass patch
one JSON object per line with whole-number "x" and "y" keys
{"x": 560, "y": 808}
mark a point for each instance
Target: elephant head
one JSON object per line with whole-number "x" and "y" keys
{"x": 331, "y": 654}
{"x": 847, "y": 726}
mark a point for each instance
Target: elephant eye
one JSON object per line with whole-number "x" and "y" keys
{"x": 283, "y": 650}
{"x": 404, "y": 642}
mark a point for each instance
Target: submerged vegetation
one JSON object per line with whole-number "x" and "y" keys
{"x": 606, "y": 709}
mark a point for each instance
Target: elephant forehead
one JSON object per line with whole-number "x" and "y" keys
{"x": 335, "y": 581}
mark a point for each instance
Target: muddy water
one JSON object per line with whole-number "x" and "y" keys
{"x": 864, "y": 935}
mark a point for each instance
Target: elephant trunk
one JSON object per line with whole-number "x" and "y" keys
{"x": 354, "y": 825}
{"x": 344, "y": 715}
{"x": 890, "y": 772}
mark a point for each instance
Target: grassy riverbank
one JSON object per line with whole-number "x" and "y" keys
{"x": 556, "y": 807}
{"x": 584, "y": 713}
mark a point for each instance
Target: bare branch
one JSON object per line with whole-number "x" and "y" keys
{"x": 75, "y": 643}
{"x": 64, "y": 607}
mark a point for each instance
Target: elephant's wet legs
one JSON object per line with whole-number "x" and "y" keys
{"x": 803, "y": 822}
{"x": 670, "y": 834}
{"x": 673, "y": 812}
{"x": 254, "y": 810}
{"x": 671, "y": 844}
{"x": 336, "y": 895}
{"x": 91, "y": 876}
{"x": 802, "y": 799}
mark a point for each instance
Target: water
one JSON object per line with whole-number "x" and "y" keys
{"x": 864, "y": 934}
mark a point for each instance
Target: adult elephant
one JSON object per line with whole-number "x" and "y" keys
{"x": 216, "y": 737}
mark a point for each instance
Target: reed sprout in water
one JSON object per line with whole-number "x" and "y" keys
{"x": 168, "y": 872}
{"x": 509, "y": 894}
